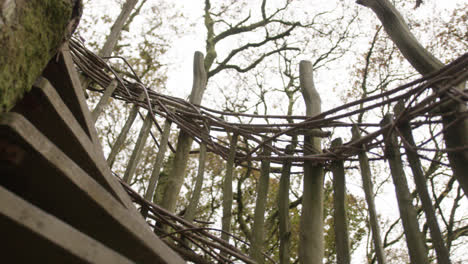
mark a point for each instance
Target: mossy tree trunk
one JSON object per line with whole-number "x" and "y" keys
{"x": 30, "y": 34}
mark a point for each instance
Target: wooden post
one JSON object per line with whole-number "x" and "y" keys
{"x": 184, "y": 141}
{"x": 421, "y": 186}
{"x": 159, "y": 161}
{"x": 122, "y": 135}
{"x": 414, "y": 240}
{"x": 227, "y": 189}
{"x": 311, "y": 248}
{"x": 104, "y": 100}
{"x": 340, "y": 204}
{"x": 283, "y": 209}
{"x": 455, "y": 126}
{"x": 138, "y": 150}
{"x": 194, "y": 200}
{"x": 258, "y": 228}
{"x": 368, "y": 187}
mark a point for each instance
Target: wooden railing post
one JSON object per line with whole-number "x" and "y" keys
{"x": 258, "y": 228}
{"x": 122, "y": 135}
{"x": 311, "y": 247}
{"x": 104, "y": 99}
{"x": 414, "y": 240}
{"x": 227, "y": 188}
{"x": 283, "y": 209}
{"x": 184, "y": 141}
{"x": 163, "y": 143}
{"x": 368, "y": 187}
{"x": 138, "y": 150}
{"x": 421, "y": 186}
{"x": 196, "y": 193}
{"x": 340, "y": 207}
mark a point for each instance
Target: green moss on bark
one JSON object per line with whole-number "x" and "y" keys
{"x": 29, "y": 37}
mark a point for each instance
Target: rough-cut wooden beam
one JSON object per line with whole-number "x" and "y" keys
{"x": 45, "y": 175}
{"x": 184, "y": 141}
{"x": 46, "y": 237}
{"x": 104, "y": 99}
{"x": 443, "y": 256}
{"x": 311, "y": 247}
{"x": 414, "y": 239}
{"x": 30, "y": 34}
{"x": 368, "y": 187}
{"x": 455, "y": 124}
{"x": 283, "y": 209}
{"x": 340, "y": 219}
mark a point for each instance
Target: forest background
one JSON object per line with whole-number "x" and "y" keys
{"x": 256, "y": 72}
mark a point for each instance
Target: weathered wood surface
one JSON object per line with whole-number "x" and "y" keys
{"x": 184, "y": 141}
{"x": 455, "y": 125}
{"x": 311, "y": 245}
{"x": 340, "y": 219}
{"x": 368, "y": 187}
{"x": 414, "y": 239}
{"x": 443, "y": 255}
{"x": 283, "y": 209}
{"x": 228, "y": 196}
{"x": 104, "y": 100}
{"x": 44, "y": 237}
{"x": 45, "y": 175}
{"x": 258, "y": 228}
{"x": 138, "y": 149}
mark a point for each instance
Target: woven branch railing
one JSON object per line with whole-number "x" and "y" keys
{"x": 418, "y": 103}
{"x": 195, "y": 119}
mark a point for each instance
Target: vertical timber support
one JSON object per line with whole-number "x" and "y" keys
{"x": 193, "y": 204}
{"x": 339, "y": 202}
{"x": 283, "y": 209}
{"x": 138, "y": 150}
{"x": 311, "y": 247}
{"x": 184, "y": 141}
{"x": 104, "y": 99}
{"x": 227, "y": 189}
{"x": 453, "y": 119}
{"x": 368, "y": 187}
{"x": 122, "y": 135}
{"x": 414, "y": 239}
{"x": 421, "y": 186}
{"x": 163, "y": 143}
{"x": 258, "y": 229}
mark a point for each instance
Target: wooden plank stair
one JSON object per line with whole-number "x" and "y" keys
{"x": 58, "y": 198}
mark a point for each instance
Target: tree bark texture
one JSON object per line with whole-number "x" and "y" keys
{"x": 414, "y": 239}
{"x": 340, "y": 206}
{"x": 258, "y": 229}
{"x": 368, "y": 187}
{"x": 30, "y": 34}
{"x": 283, "y": 209}
{"x": 456, "y": 127}
{"x": 421, "y": 187}
{"x": 311, "y": 243}
{"x": 227, "y": 189}
{"x": 184, "y": 142}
